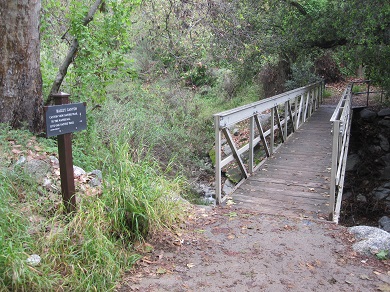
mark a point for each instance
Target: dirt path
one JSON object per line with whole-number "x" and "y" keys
{"x": 233, "y": 249}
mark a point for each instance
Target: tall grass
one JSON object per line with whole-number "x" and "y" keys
{"x": 92, "y": 249}
{"x": 140, "y": 199}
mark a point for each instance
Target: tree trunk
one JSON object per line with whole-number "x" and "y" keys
{"x": 20, "y": 75}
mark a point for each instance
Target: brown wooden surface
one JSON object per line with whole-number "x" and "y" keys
{"x": 294, "y": 181}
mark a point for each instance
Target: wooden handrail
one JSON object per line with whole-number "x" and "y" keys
{"x": 298, "y": 105}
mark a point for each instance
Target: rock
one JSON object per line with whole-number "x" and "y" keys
{"x": 47, "y": 183}
{"x": 226, "y": 149}
{"x": 361, "y": 198}
{"x": 384, "y": 123}
{"x": 353, "y": 161}
{"x": 382, "y": 192}
{"x": 371, "y": 239}
{"x": 97, "y": 173}
{"x": 385, "y": 173}
{"x": 37, "y": 168}
{"x": 234, "y": 174}
{"x": 34, "y": 260}
{"x": 78, "y": 171}
{"x": 21, "y": 160}
{"x": 384, "y": 223}
{"x": 385, "y": 160}
{"x": 374, "y": 149}
{"x": 228, "y": 187}
{"x": 384, "y": 142}
{"x": 96, "y": 179}
{"x": 210, "y": 201}
{"x": 54, "y": 160}
{"x": 384, "y": 112}
{"x": 368, "y": 115}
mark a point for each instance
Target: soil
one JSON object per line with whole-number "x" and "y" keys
{"x": 233, "y": 249}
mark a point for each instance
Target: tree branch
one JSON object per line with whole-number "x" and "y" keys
{"x": 63, "y": 69}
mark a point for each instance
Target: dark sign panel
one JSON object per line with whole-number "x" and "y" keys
{"x": 66, "y": 118}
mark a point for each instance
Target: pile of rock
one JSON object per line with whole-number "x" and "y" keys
{"x": 369, "y": 159}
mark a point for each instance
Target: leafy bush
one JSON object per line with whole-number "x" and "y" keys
{"x": 301, "y": 74}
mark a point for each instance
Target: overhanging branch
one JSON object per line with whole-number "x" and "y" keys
{"x": 63, "y": 69}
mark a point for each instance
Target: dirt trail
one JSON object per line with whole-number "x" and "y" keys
{"x": 233, "y": 249}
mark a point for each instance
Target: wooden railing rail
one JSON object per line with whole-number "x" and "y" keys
{"x": 341, "y": 120}
{"x": 296, "y": 105}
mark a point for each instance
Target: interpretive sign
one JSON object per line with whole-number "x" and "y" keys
{"x": 65, "y": 118}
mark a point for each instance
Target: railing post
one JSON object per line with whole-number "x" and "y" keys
{"x": 218, "y": 183}
{"x": 272, "y": 133}
{"x": 251, "y": 137}
{"x": 335, "y": 155}
{"x": 285, "y": 120}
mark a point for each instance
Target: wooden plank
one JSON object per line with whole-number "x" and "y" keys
{"x": 295, "y": 179}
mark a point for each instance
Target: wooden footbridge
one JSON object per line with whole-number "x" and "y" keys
{"x": 291, "y": 153}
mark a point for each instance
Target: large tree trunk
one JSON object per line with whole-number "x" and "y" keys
{"x": 20, "y": 75}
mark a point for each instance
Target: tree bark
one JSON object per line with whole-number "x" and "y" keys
{"x": 20, "y": 75}
{"x": 71, "y": 53}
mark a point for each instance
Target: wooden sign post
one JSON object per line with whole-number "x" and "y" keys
{"x": 61, "y": 120}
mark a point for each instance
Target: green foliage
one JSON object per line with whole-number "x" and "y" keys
{"x": 198, "y": 76}
{"x": 103, "y": 45}
{"x": 301, "y": 75}
{"x": 382, "y": 255}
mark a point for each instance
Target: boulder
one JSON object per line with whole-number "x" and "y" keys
{"x": 353, "y": 161}
{"x": 384, "y": 223}
{"x": 384, "y": 123}
{"x": 37, "y": 168}
{"x": 371, "y": 240}
{"x": 384, "y": 112}
{"x": 96, "y": 178}
{"x": 78, "y": 171}
{"x": 228, "y": 187}
{"x": 384, "y": 142}
{"x": 368, "y": 115}
{"x": 382, "y": 192}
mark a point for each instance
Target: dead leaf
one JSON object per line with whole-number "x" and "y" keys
{"x": 364, "y": 277}
{"x": 384, "y": 288}
{"x": 161, "y": 271}
{"x": 16, "y": 151}
{"x": 311, "y": 267}
{"x": 190, "y": 265}
{"x": 231, "y": 236}
{"x": 230, "y": 202}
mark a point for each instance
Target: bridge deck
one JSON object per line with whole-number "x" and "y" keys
{"x": 295, "y": 181}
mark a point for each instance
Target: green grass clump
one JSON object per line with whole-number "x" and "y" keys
{"x": 140, "y": 199}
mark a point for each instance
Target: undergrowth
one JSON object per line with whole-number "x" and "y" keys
{"x": 91, "y": 249}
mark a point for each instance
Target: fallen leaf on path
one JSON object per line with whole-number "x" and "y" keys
{"x": 230, "y": 202}
{"x": 231, "y": 236}
{"x": 364, "y": 277}
{"x": 384, "y": 288}
{"x": 190, "y": 265}
{"x": 161, "y": 271}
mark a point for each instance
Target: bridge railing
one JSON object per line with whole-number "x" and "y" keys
{"x": 341, "y": 120}
{"x": 267, "y": 122}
